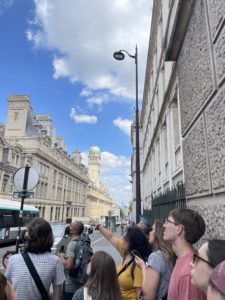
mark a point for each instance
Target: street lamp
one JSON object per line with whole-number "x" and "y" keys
{"x": 119, "y": 55}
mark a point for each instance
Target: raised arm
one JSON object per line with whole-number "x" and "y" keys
{"x": 106, "y": 233}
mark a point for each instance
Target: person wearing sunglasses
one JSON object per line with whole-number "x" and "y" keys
{"x": 183, "y": 228}
{"x": 205, "y": 260}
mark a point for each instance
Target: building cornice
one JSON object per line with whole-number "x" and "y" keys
{"x": 179, "y": 27}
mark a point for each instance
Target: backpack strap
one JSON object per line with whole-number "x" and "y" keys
{"x": 125, "y": 267}
{"x": 35, "y": 276}
{"x": 132, "y": 269}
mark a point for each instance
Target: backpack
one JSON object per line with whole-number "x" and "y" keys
{"x": 83, "y": 254}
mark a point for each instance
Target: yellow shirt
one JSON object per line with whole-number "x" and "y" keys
{"x": 127, "y": 284}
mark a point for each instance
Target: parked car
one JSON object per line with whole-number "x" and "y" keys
{"x": 61, "y": 233}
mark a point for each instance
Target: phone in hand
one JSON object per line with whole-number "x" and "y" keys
{"x": 136, "y": 253}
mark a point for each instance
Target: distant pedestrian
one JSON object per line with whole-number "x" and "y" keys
{"x": 183, "y": 228}
{"x": 216, "y": 288}
{"x": 70, "y": 286}
{"x": 205, "y": 260}
{"x": 6, "y": 290}
{"x": 145, "y": 226}
{"x": 130, "y": 276}
{"x": 48, "y": 266}
{"x": 102, "y": 279}
{"x": 122, "y": 229}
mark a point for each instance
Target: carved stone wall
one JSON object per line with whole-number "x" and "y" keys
{"x": 201, "y": 76}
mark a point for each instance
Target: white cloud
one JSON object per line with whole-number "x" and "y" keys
{"x": 86, "y": 92}
{"x": 114, "y": 174}
{"x": 5, "y": 4}
{"x": 123, "y": 124}
{"x": 97, "y": 100}
{"x": 83, "y": 34}
{"x": 82, "y": 118}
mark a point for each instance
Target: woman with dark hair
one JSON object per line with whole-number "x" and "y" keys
{"x": 6, "y": 290}
{"x": 129, "y": 275}
{"x": 209, "y": 255}
{"x": 39, "y": 240}
{"x": 156, "y": 273}
{"x": 102, "y": 279}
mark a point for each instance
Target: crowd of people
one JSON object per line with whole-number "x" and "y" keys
{"x": 158, "y": 262}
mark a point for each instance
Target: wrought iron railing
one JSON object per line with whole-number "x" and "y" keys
{"x": 165, "y": 202}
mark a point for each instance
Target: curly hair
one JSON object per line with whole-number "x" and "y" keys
{"x": 39, "y": 237}
{"x": 137, "y": 240}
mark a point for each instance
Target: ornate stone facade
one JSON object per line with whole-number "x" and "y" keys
{"x": 160, "y": 134}
{"x": 30, "y": 139}
{"x": 193, "y": 42}
{"x": 99, "y": 201}
{"x": 65, "y": 190}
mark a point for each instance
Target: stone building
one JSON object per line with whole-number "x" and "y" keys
{"x": 67, "y": 189}
{"x": 99, "y": 200}
{"x": 185, "y": 75}
{"x": 30, "y": 139}
{"x": 161, "y": 161}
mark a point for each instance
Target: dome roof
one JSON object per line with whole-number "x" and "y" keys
{"x": 94, "y": 150}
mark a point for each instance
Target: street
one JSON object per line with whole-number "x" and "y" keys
{"x": 98, "y": 242}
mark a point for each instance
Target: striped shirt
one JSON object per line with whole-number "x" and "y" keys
{"x": 49, "y": 268}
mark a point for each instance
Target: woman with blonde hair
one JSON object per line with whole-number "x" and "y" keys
{"x": 102, "y": 282}
{"x": 157, "y": 271}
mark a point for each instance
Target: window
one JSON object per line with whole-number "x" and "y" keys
{"x": 5, "y": 183}
{"x": 51, "y": 213}
{"x": 176, "y": 127}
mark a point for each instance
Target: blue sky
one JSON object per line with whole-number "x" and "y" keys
{"x": 60, "y": 54}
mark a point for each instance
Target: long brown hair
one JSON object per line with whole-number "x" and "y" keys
{"x": 3, "y": 284}
{"x": 103, "y": 277}
{"x": 160, "y": 244}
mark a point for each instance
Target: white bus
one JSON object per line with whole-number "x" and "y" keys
{"x": 9, "y": 220}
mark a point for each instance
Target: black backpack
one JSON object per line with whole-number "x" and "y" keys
{"x": 83, "y": 254}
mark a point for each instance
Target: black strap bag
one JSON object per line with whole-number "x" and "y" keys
{"x": 35, "y": 276}
{"x": 125, "y": 267}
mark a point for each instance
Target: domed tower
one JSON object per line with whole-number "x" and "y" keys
{"x": 94, "y": 165}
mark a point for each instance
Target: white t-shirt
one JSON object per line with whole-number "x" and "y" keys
{"x": 49, "y": 268}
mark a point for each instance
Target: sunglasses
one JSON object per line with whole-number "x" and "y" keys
{"x": 196, "y": 257}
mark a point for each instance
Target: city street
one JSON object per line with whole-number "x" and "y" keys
{"x": 98, "y": 242}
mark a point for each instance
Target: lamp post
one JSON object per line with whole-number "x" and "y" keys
{"x": 119, "y": 55}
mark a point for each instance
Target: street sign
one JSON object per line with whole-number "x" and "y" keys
{"x": 32, "y": 181}
{"x": 29, "y": 195}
